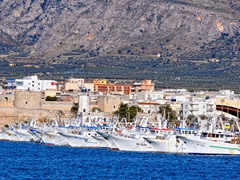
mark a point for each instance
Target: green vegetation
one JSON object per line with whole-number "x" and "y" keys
{"x": 167, "y": 112}
{"x": 74, "y": 108}
{"x": 96, "y": 109}
{"x": 213, "y": 67}
{"x": 124, "y": 111}
{"x": 51, "y": 98}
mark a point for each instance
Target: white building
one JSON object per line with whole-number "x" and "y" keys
{"x": 179, "y": 98}
{"x": 149, "y": 107}
{"x": 149, "y": 96}
{"x": 199, "y": 107}
{"x": 32, "y": 83}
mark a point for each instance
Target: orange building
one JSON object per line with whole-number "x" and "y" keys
{"x": 145, "y": 85}
{"x": 113, "y": 88}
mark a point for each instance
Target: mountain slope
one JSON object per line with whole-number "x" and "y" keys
{"x": 171, "y": 29}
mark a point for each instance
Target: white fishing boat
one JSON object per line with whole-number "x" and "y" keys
{"x": 165, "y": 140}
{"x": 3, "y": 135}
{"x": 54, "y": 137}
{"x": 212, "y": 143}
{"x": 106, "y": 136}
{"x": 80, "y": 138}
{"x": 101, "y": 141}
{"x": 133, "y": 141}
{"x": 44, "y": 138}
{"x": 24, "y": 134}
{"x": 215, "y": 141}
{"x": 11, "y": 135}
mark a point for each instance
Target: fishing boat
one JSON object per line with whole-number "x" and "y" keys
{"x": 3, "y": 135}
{"x": 212, "y": 143}
{"x": 133, "y": 140}
{"x": 106, "y": 136}
{"x": 9, "y": 132}
{"x": 215, "y": 141}
{"x": 165, "y": 140}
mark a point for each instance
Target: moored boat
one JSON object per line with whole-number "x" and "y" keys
{"x": 212, "y": 143}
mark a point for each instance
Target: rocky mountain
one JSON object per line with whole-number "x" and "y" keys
{"x": 47, "y": 29}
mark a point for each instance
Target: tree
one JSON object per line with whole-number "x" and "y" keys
{"x": 133, "y": 110}
{"x": 51, "y": 98}
{"x": 203, "y": 116}
{"x": 74, "y": 108}
{"x": 124, "y": 111}
{"x": 167, "y": 112}
{"x": 94, "y": 109}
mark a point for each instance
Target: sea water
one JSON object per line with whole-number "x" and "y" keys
{"x": 21, "y": 160}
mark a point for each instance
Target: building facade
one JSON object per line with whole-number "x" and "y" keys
{"x": 144, "y": 85}
{"x": 149, "y": 107}
{"x": 32, "y": 83}
{"x": 149, "y": 95}
{"x": 113, "y": 88}
{"x": 199, "y": 107}
{"x": 74, "y": 84}
{"x": 109, "y": 103}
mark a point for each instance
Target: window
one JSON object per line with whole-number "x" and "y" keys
{"x": 20, "y": 83}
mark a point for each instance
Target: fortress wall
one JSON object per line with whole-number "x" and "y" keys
{"x": 13, "y": 115}
{"x": 52, "y": 106}
{"x": 109, "y": 103}
{"x": 7, "y": 116}
{"x": 6, "y": 100}
{"x": 28, "y": 99}
{"x": 26, "y": 104}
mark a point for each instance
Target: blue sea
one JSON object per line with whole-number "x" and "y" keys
{"x": 21, "y": 160}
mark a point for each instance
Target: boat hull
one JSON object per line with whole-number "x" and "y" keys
{"x": 76, "y": 140}
{"x": 131, "y": 144}
{"x": 109, "y": 140}
{"x": 166, "y": 145}
{"x": 201, "y": 146}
